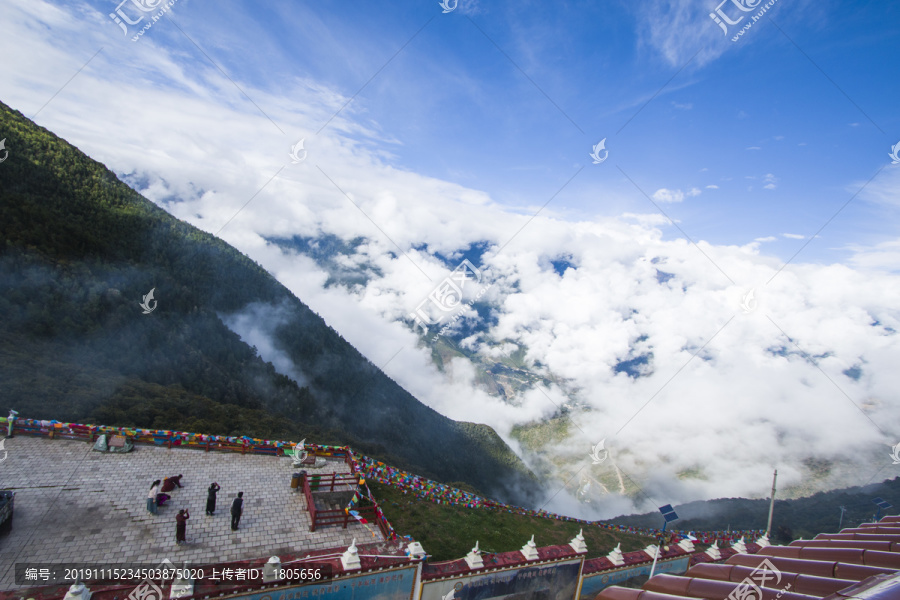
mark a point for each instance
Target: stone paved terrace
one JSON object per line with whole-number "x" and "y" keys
{"x": 74, "y": 505}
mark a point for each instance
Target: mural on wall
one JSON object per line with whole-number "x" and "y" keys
{"x": 396, "y": 584}
{"x": 594, "y": 584}
{"x": 557, "y": 581}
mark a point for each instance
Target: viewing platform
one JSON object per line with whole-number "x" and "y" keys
{"x": 74, "y": 505}
{"x": 79, "y": 507}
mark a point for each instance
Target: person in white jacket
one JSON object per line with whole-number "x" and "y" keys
{"x": 151, "y": 497}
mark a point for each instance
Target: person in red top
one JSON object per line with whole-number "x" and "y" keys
{"x": 181, "y": 526}
{"x": 170, "y": 483}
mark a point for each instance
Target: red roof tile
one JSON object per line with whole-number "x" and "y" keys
{"x": 822, "y": 568}
{"x": 801, "y": 583}
{"x": 859, "y": 563}
{"x": 696, "y": 587}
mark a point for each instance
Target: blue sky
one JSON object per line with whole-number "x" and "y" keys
{"x": 449, "y": 104}
{"x": 804, "y": 102}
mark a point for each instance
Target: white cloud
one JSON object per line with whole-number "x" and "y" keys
{"x": 770, "y": 181}
{"x": 883, "y": 190}
{"x": 646, "y": 220}
{"x": 469, "y": 7}
{"x": 676, "y": 28}
{"x": 768, "y": 238}
{"x": 794, "y": 236}
{"x": 754, "y": 148}
{"x": 884, "y": 256}
{"x": 712, "y": 187}
{"x": 670, "y": 196}
{"x": 255, "y": 325}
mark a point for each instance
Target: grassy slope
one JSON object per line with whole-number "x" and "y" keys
{"x": 449, "y": 532}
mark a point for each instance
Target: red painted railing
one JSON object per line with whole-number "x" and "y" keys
{"x": 341, "y": 516}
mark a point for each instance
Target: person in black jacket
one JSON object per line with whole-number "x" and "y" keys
{"x": 237, "y": 507}
{"x": 211, "y": 498}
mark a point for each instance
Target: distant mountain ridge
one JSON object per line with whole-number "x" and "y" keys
{"x": 792, "y": 518}
{"x": 79, "y": 251}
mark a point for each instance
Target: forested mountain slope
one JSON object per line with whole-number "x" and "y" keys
{"x": 79, "y": 249}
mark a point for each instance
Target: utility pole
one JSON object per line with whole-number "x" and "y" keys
{"x": 842, "y": 517}
{"x": 772, "y": 505}
{"x": 669, "y": 515}
{"x": 658, "y": 548}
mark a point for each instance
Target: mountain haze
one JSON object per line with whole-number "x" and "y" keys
{"x": 80, "y": 250}
{"x": 792, "y": 518}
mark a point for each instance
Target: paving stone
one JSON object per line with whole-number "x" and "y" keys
{"x": 77, "y": 506}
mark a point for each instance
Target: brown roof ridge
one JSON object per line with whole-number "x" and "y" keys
{"x": 853, "y": 564}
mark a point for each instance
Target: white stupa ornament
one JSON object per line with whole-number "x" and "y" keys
{"x": 739, "y": 546}
{"x": 713, "y": 551}
{"x": 416, "y": 550}
{"x": 271, "y": 569}
{"x": 181, "y": 587}
{"x": 78, "y": 591}
{"x": 578, "y": 544}
{"x": 350, "y": 558}
{"x": 615, "y": 556}
{"x": 473, "y": 558}
{"x": 529, "y": 550}
{"x": 763, "y": 541}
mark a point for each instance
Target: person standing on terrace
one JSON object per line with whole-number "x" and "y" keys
{"x": 181, "y": 526}
{"x": 151, "y": 497}
{"x": 237, "y": 508}
{"x": 211, "y": 498}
